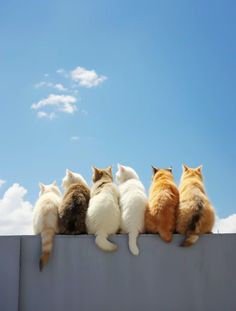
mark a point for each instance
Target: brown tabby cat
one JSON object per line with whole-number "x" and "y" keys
{"x": 160, "y": 215}
{"x": 72, "y": 211}
{"x": 195, "y": 215}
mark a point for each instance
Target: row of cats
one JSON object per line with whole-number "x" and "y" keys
{"x": 108, "y": 208}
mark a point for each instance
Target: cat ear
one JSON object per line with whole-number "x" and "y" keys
{"x": 185, "y": 167}
{"x": 121, "y": 167}
{"x": 199, "y": 169}
{"x": 94, "y": 169}
{"x": 54, "y": 183}
{"x": 155, "y": 169}
{"x": 69, "y": 173}
{"x": 109, "y": 169}
{"x": 41, "y": 186}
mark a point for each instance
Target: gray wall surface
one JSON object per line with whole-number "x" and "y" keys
{"x": 81, "y": 277}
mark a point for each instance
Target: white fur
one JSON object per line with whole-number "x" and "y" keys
{"x": 133, "y": 201}
{"x": 45, "y": 215}
{"x": 103, "y": 217}
{"x": 72, "y": 178}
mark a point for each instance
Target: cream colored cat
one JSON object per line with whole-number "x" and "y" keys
{"x": 45, "y": 218}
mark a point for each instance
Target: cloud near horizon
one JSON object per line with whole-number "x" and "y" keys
{"x": 225, "y": 225}
{"x": 15, "y": 212}
{"x": 2, "y": 182}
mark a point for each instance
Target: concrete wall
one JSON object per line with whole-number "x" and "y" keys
{"x": 81, "y": 277}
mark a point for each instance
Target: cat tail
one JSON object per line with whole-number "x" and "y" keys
{"x": 47, "y": 236}
{"x": 192, "y": 233}
{"x": 103, "y": 243}
{"x": 133, "y": 242}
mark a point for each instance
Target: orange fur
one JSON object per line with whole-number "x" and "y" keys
{"x": 195, "y": 214}
{"x": 160, "y": 215}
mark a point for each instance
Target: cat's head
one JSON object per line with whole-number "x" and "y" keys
{"x": 49, "y": 188}
{"x": 192, "y": 172}
{"x": 72, "y": 178}
{"x": 161, "y": 172}
{"x": 99, "y": 173}
{"x": 124, "y": 173}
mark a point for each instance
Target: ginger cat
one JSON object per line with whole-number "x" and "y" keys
{"x": 160, "y": 215}
{"x": 45, "y": 218}
{"x": 195, "y": 215}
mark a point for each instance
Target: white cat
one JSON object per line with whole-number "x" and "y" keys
{"x": 133, "y": 201}
{"x": 103, "y": 214}
{"x": 45, "y": 218}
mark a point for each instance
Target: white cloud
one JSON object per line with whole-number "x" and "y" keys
{"x": 50, "y": 106}
{"x": 47, "y": 115}
{"x": 225, "y": 225}
{"x": 84, "y": 112}
{"x": 74, "y": 138}
{"x": 86, "y": 78}
{"x": 57, "y": 86}
{"x": 63, "y": 103}
{"x": 2, "y": 182}
{"x": 15, "y": 212}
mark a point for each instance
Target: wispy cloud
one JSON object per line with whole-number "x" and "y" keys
{"x": 47, "y": 115}
{"x": 15, "y": 212}
{"x": 62, "y": 72}
{"x": 74, "y": 138}
{"x": 86, "y": 78}
{"x": 65, "y": 103}
{"x": 57, "y": 86}
{"x": 62, "y": 103}
{"x": 2, "y": 182}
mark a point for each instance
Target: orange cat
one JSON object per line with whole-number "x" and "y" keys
{"x": 160, "y": 215}
{"x": 195, "y": 215}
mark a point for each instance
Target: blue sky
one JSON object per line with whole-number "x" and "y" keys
{"x": 169, "y": 96}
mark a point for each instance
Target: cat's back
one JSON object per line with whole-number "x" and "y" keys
{"x": 77, "y": 194}
{"x": 132, "y": 189}
{"x": 46, "y": 211}
{"x": 47, "y": 202}
{"x": 190, "y": 188}
{"x": 159, "y": 186}
{"x": 77, "y": 189}
{"x": 72, "y": 211}
{"x": 163, "y": 193}
{"x": 103, "y": 189}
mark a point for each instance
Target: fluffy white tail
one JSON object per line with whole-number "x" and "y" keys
{"x": 103, "y": 243}
{"x": 133, "y": 242}
{"x": 47, "y": 242}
